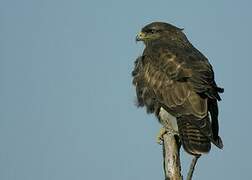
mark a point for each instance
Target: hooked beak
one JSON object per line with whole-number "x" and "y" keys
{"x": 140, "y": 36}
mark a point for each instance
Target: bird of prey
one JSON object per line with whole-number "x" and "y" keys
{"x": 173, "y": 77}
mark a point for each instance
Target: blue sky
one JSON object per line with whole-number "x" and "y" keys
{"x": 67, "y": 104}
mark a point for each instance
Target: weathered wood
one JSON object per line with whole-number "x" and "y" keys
{"x": 171, "y": 163}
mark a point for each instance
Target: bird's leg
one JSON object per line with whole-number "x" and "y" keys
{"x": 162, "y": 132}
{"x": 159, "y": 138}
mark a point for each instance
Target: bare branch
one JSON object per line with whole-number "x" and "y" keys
{"x": 192, "y": 167}
{"x": 172, "y": 168}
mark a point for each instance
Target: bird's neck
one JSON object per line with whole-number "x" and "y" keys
{"x": 183, "y": 43}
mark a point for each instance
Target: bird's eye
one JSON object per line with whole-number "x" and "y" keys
{"x": 153, "y": 31}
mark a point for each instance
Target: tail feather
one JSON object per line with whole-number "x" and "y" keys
{"x": 193, "y": 141}
{"x": 196, "y": 135}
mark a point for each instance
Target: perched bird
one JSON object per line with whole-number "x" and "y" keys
{"x": 172, "y": 77}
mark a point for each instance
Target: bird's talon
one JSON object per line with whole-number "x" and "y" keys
{"x": 159, "y": 138}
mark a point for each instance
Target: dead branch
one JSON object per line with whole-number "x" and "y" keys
{"x": 192, "y": 167}
{"x": 171, "y": 163}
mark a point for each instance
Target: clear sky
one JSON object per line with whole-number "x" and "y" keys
{"x": 67, "y": 104}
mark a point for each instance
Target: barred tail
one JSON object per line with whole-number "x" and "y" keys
{"x": 195, "y": 136}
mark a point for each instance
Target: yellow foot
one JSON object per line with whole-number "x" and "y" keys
{"x": 159, "y": 138}
{"x": 162, "y": 132}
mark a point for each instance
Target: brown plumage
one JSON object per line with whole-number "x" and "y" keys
{"x": 174, "y": 75}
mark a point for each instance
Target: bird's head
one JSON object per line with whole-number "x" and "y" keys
{"x": 159, "y": 31}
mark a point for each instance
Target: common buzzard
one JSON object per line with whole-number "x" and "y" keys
{"x": 172, "y": 76}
